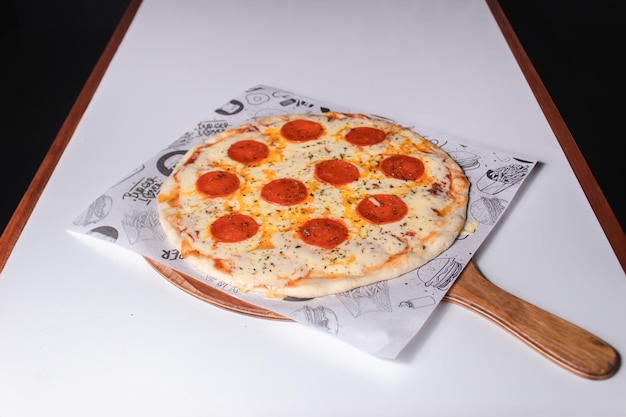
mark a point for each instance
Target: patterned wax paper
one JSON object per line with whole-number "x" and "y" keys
{"x": 381, "y": 318}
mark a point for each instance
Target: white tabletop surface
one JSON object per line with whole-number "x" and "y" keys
{"x": 89, "y": 329}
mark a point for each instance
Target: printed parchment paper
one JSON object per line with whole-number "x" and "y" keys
{"x": 380, "y": 318}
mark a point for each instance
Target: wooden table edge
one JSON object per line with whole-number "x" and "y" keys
{"x": 599, "y": 204}
{"x": 590, "y": 186}
{"x": 26, "y": 205}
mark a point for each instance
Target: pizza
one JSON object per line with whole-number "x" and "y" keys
{"x": 308, "y": 205}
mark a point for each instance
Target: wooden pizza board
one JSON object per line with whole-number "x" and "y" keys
{"x": 566, "y": 344}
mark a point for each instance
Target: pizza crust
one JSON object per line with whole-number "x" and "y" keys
{"x": 277, "y": 259}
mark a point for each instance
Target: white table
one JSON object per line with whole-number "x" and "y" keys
{"x": 89, "y": 329}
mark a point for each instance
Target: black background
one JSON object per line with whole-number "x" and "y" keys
{"x": 50, "y": 47}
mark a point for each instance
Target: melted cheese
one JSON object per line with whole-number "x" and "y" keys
{"x": 275, "y": 258}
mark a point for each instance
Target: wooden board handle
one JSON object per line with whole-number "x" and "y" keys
{"x": 564, "y": 343}
{"x": 568, "y": 345}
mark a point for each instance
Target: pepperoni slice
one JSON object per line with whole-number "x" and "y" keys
{"x": 323, "y": 232}
{"x": 248, "y": 151}
{"x": 284, "y": 192}
{"x": 382, "y": 208}
{"x": 336, "y": 172}
{"x": 402, "y": 167}
{"x": 234, "y": 228}
{"x": 217, "y": 183}
{"x": 300, "y": 130}
{"x": 363, "y": 136}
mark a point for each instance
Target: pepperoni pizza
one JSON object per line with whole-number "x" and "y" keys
{"x": 313, "y": 204}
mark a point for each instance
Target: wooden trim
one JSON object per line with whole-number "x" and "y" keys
{"x": 591, "y": 188}
{"x": 31, "y": 196}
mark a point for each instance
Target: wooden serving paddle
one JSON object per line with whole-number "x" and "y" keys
{"x": 564, "y": 343}
{"x": 569, "y": 346}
